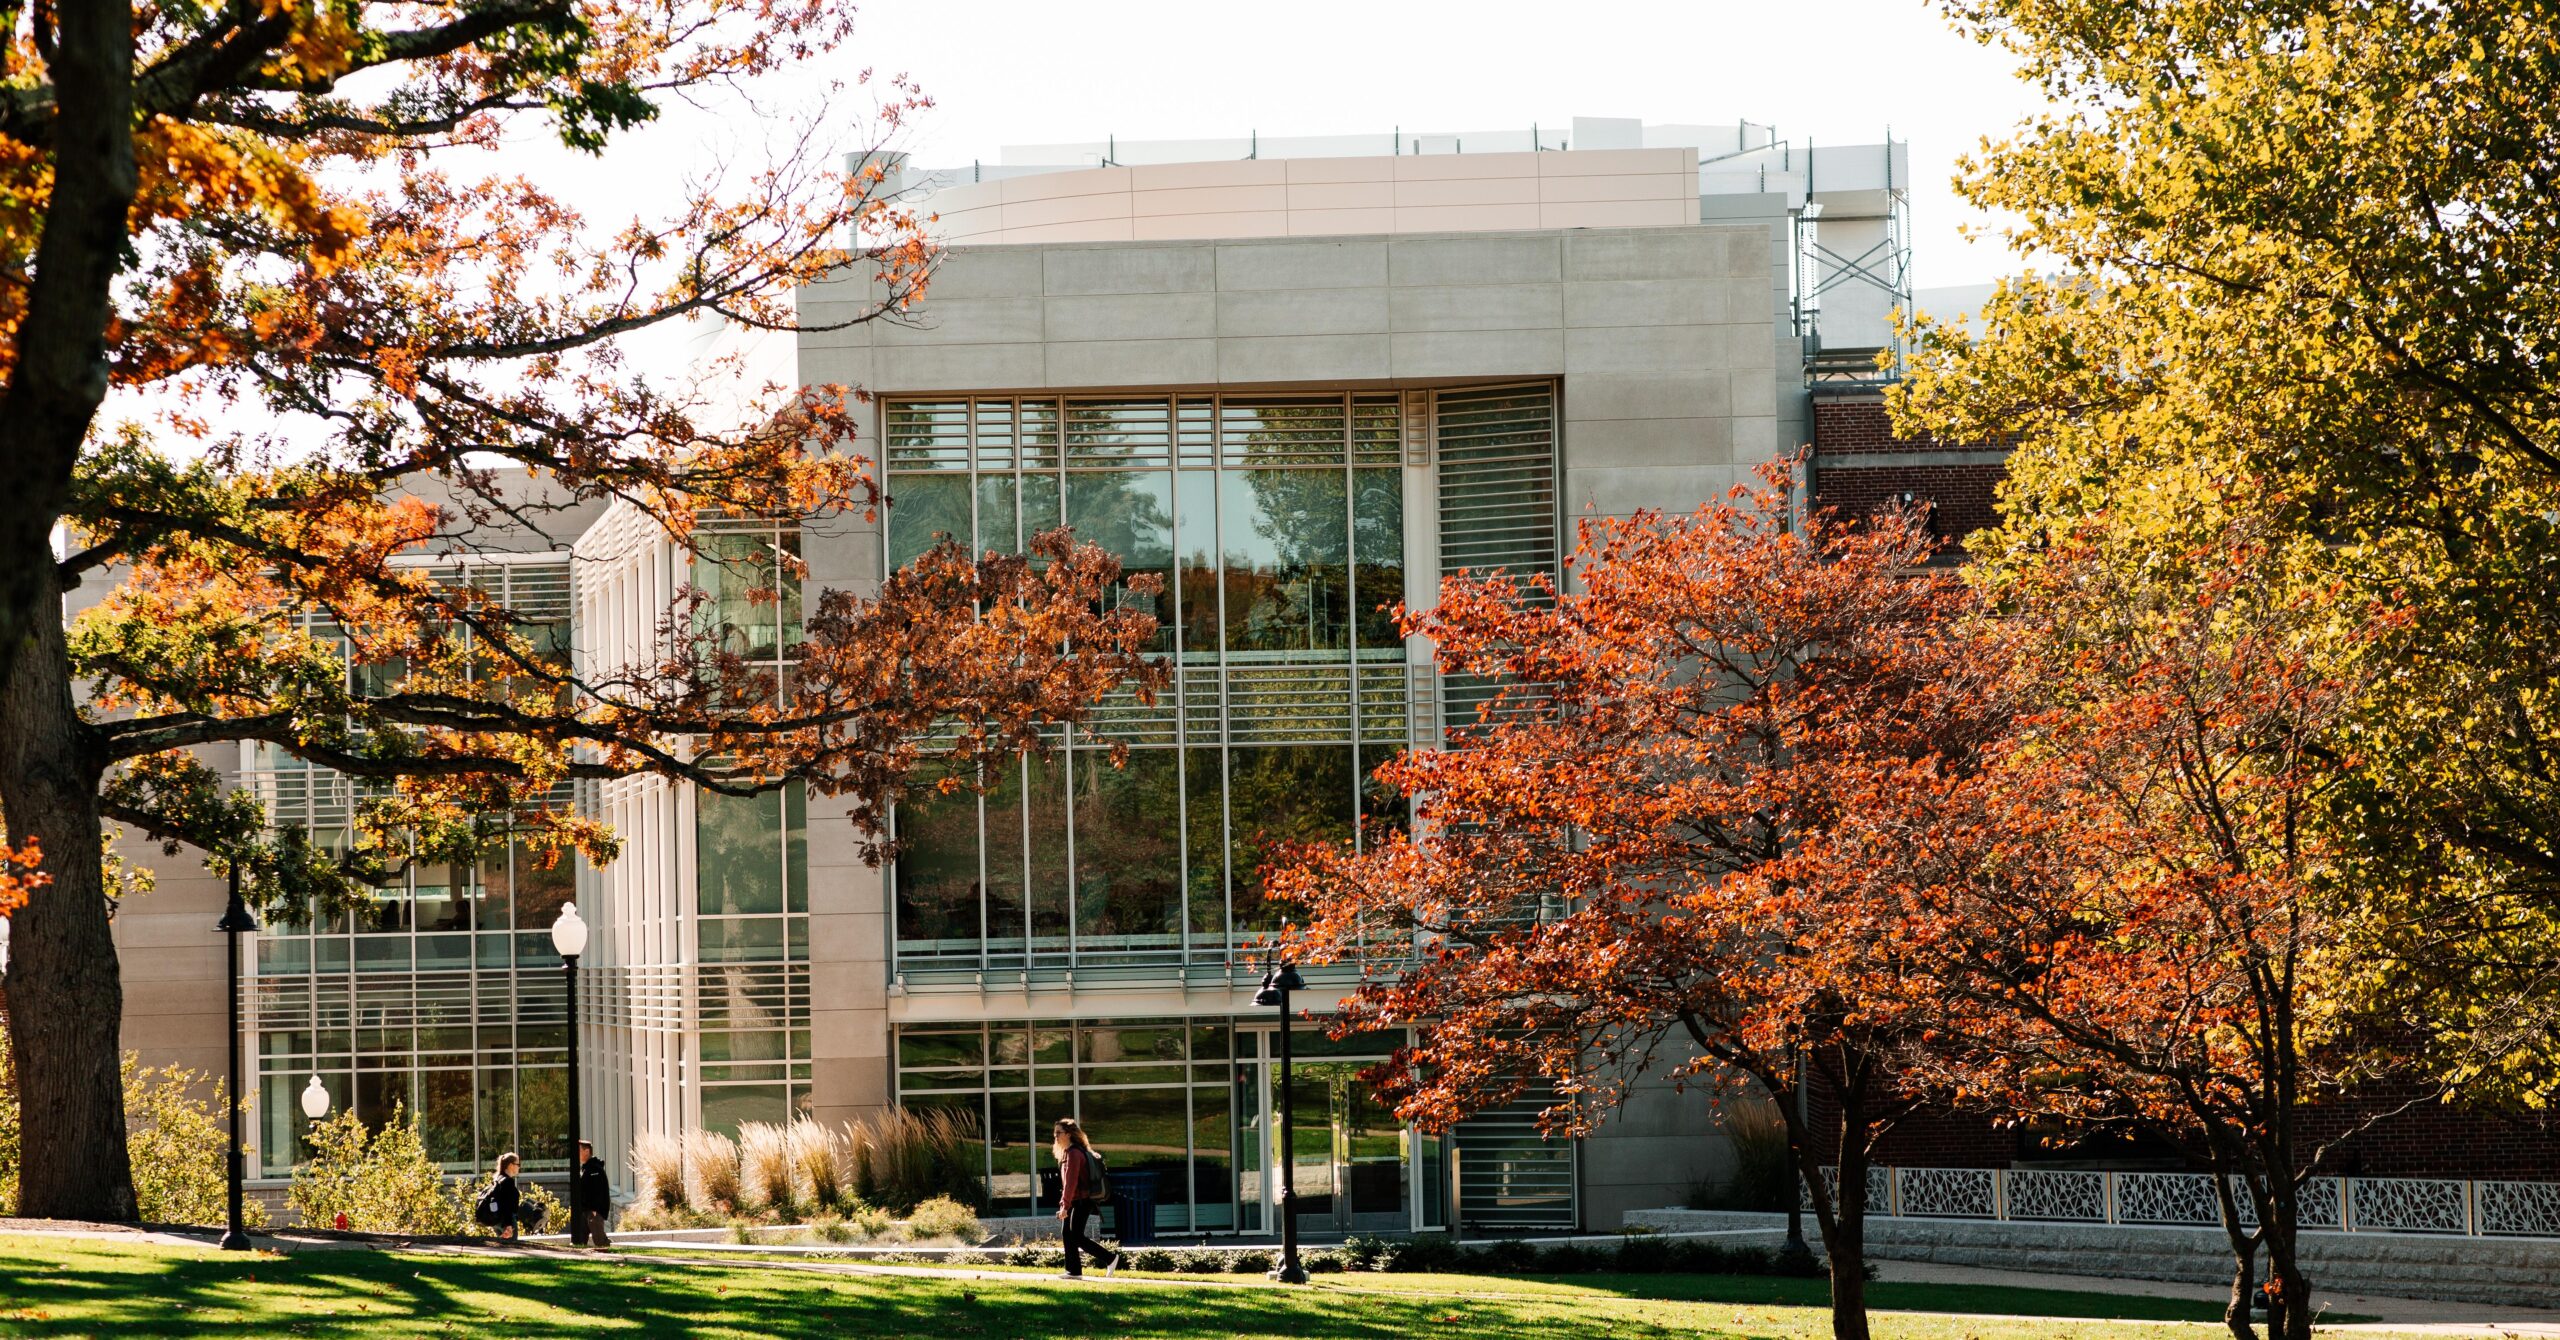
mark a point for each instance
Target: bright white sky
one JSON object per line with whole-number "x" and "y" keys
{"x": 1036, "y": 71}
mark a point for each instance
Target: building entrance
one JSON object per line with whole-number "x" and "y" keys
{"x": 1357, "y": 1168}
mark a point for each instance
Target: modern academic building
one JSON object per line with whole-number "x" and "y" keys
{"x": 1297, "y": 380}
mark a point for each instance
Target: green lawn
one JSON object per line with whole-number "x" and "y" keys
{"x": 61, "y": 1288}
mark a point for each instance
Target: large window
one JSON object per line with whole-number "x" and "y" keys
{"x": 751, "y": 864}
{"x": 1276, "y": 528}
{"x": 1189, "y": 1100}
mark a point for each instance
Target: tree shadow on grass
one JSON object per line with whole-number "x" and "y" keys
{"x": 1782, "y": 1291}
{"x": 97, "y": 1290}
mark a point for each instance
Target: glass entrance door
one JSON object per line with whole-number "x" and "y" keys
{"x": 1352, "y": 1161}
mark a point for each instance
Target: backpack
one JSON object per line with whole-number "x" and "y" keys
{"x": 486, "y": 1213}
{"x": 1097, "y": 1186}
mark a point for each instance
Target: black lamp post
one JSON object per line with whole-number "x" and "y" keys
{"x": 569, "y": 936}
{"x": 235, "y": 920}
{"x": 1276, "y": 986}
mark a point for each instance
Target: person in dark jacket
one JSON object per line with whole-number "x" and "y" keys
{"x": 595, "y": 1199}
{"x": 503, "y": 1201}
{"x": 1080, "y": 1196}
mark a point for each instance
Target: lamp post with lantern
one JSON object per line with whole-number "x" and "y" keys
{"x": 1276, "y": 986}
{"x": 235, "y": 922}
{"x": 569, "y": 937}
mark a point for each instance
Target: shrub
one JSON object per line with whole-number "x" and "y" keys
{"x": 382, "y": 1182}
{"x": 1360, "y": 1252}
{"x": 871, "y": 1221}
{"x": 175, "y": 1142}
{"x": 1424, "y": 1253}
{"x": 1568, "y": 1259}
{"x": 967, "y": 1258}
{"x": 767, "y": 1168}
{"x": 1321, "y": 1263}
{"x": 831, "y": 1228}
{"x": 943, "y": 1217}
{"x": 657, "y": 1159}
{"x": 178, "y": 1147}
{"x": 902, "y": 1157}
{"x": 1155, "y": 1259}
{"x": 820, "y": 1154}
{"x": 1644, "y": 1256}
{"x": 713, "y": 1158}
{"x": 741, "y": 1233}
{"x": 1248, "y": 1263}
{"x": 1508, "y": 1256}
{"x": 8, "y": 1129}
{"x": 1025, "y": 1256}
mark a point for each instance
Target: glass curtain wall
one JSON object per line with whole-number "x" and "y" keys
{"x": 751, "y": 856}
{"x": 1275, "y": 525}
{"x": 439, "y": 996}
{"x": 751, "y": 860}
{"x": 1190, "y": 1100}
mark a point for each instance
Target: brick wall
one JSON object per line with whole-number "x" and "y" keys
{"x": 1961, "y": 498}
{"x": 1859, "y": 423}
{"x": 1855, "y": 469}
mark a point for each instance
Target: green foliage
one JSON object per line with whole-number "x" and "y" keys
{"x": 943, "y": 1217}
{"x": 2302, "y": 265}
{"x": 1248, "y": 1262}
{"x": 382, "y": 1181}
{"x": 175, "y": 1140}
{"x": 871, "y": 1221}
{"x": 177, "y": 1143}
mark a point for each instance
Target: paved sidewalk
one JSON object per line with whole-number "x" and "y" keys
{"x": 2402, "y": 1315}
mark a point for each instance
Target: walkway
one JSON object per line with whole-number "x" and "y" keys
{"x": 2389, "y": 1314}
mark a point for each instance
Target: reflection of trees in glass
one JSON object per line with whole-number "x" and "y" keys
{"x": 1128, "y": 844}
{"x": 937, "y": 869}
{"x": 1285, "y": 535}
{"x": 922, "y": 510}
{"x": 1377, "y": 540}
{"x": 751, "y": 606}
{"x": 1129, "y": 513}
{"x": 1204, "y": 838}
{"x": 740, "y": 852}
{"x": 1280, "y": 794}
{"x": 1046, "y": 806}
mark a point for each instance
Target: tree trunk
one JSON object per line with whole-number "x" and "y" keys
{"x": 1844, "y": 1232}
{"x": 1846, "y": 1246}
{"x": 2244, "y": 1296}
{"x": 66, "y": 992}
{"x": 2290, "y": 1317}
{"x": 59, "y": 374}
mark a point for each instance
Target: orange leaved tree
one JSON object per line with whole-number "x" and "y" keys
{"x": 1608, "y": 869}
{"x": 286, "y": 214}
{"x": 2132, "y": 896}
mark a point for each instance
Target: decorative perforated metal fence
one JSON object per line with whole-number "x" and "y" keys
{"x": 2474, "y": 1207}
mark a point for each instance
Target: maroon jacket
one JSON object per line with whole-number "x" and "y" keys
{"x": 1074, "y": 1175}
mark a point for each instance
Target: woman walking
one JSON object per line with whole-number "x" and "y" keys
{"x": 1080, "y": 1195}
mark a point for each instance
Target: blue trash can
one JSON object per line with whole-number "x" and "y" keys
{"x": 1133, "y": 1207}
